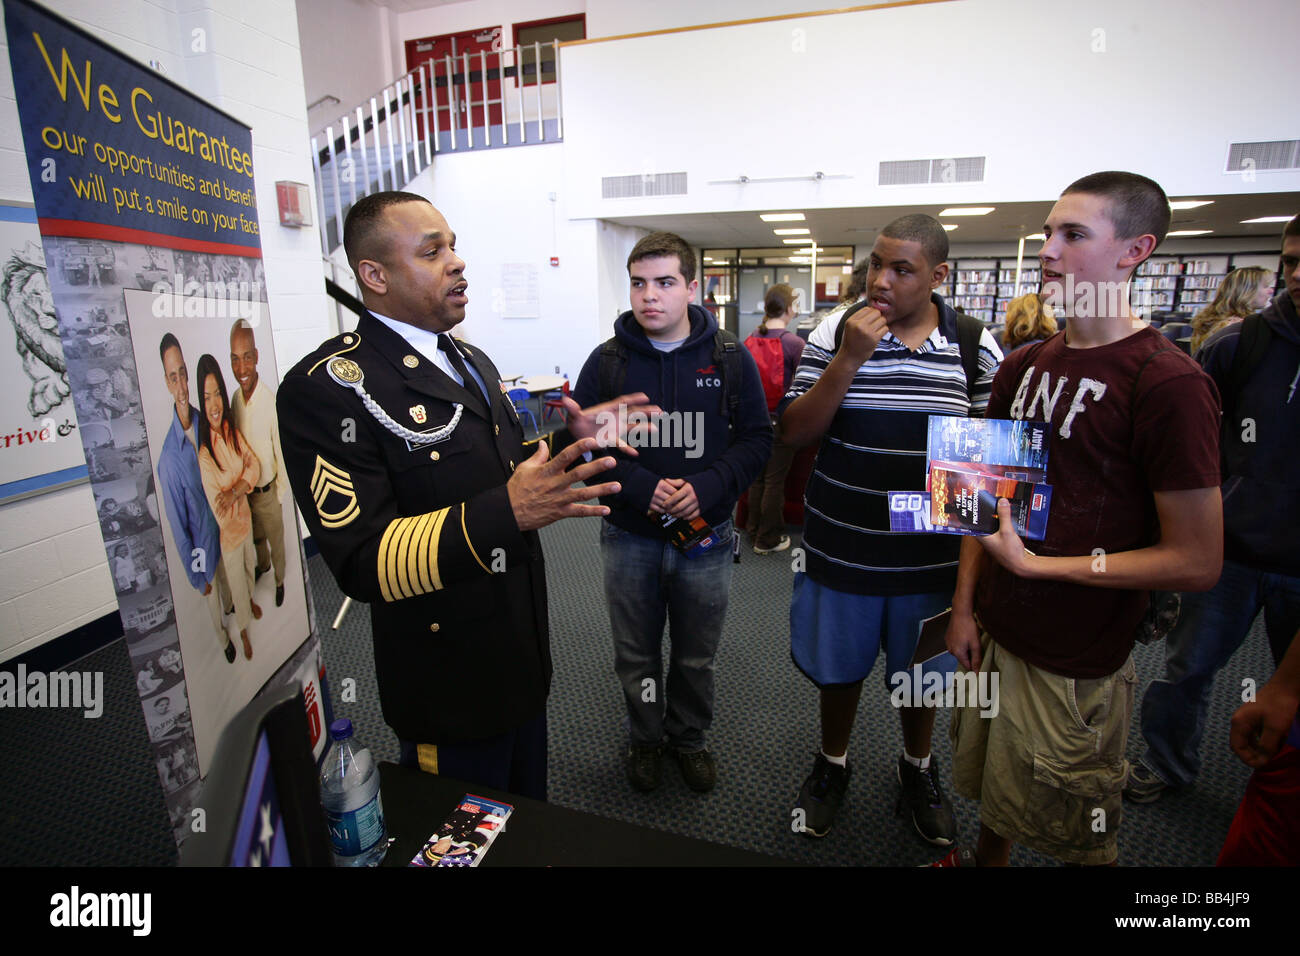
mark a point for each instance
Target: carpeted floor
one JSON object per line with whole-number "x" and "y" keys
{"x": 85, "y": 792}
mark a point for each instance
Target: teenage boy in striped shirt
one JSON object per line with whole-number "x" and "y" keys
{"x": 869, "y": 397}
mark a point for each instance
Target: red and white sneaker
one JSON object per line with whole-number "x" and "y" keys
{"x": 958, "y": 856}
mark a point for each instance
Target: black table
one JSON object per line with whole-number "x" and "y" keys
{"x": 540, "y": 834}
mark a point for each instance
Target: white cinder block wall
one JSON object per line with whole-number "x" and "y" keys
{"x": 245, "y": 60}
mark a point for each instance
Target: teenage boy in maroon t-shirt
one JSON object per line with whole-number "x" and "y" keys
{"x": 1134, "y": 465}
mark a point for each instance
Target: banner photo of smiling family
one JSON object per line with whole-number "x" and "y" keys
{"x": 150, "y": 246}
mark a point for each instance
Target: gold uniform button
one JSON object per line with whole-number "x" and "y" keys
{"x": 434, "y": 455}
{"x": 347, "y": 340}
{"x": 434, "y": 628}
{"x": 410, "y": 361}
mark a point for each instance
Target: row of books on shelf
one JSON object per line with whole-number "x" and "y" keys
{"x": 1026, "y": 276}
{"x": 1172, "y": 267}
{"x": 969, "y": 302}
{"x": 974, "y": 288}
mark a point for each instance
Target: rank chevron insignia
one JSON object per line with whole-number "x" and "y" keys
{"x": 327, "y": 480}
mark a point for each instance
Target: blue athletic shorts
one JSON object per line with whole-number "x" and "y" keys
{"x": 835, "y": 636}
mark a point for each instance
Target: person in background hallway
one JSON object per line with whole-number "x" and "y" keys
{"x": 1242, "y": 292}
{"x": 1029, "y": 319}
{"x": 766, "y": 524}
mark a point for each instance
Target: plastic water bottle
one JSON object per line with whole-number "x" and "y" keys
{"x": 349, "y": 792}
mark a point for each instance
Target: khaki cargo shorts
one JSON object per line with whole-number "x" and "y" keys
{"x": 1048, "y": 768}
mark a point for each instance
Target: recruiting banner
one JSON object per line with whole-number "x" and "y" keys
{"x": 147, "y": 211}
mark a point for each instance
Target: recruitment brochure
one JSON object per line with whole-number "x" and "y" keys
{"x": 968, "y": 502}
{"x": 466, "y": 835}
{"x": 988, "y": 441}
{"x": 980, "y": 460}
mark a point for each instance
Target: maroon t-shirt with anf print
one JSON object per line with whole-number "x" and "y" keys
{"x": 1111, "y": 446}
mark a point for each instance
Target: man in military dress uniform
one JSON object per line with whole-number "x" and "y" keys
{"x": 408, "y": 463}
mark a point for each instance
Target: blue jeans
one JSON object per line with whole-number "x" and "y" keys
{"x": 648, "y": 582}
{"x": 1211, "y": 626}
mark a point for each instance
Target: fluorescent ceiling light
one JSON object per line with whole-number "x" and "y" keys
{"x": 1188, "y": 232}
{"x": 798, "y": 242}
{"x": 949, "y": 226}
{"x": 781, "y": 217}
{"x": 1038, "y": 236}
{"x": 1189, "y": 203}
{"x": 968, "y": 211}
{"x": 791, "y": 232}
{"x": 1267, "y": 219}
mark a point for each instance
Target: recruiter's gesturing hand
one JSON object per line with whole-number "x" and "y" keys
{"x": 543, "y": 491}
{"x": 608, "y": 421}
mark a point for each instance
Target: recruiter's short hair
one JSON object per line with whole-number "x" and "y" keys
{"x": 1135, "y": 204}
{"x": 918, "y": 227}
{"x": 1292, "y": 228}
{"x": 362, "y": 237}
{"x": 661, "y": 244}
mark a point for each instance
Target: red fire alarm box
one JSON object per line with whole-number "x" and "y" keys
{"x": 294, "y": 200}
{"x": 555, "y": 260}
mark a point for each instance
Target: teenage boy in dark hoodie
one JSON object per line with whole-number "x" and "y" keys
{"x": 1261, "y": 510}
{"x": 696, "y": 465}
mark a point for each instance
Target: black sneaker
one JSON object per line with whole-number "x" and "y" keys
{"x": 821, "y": 795}
{"x": 644, "y": 766}
{"x": 699, "y": 770}
{"x": 930, "y": 808}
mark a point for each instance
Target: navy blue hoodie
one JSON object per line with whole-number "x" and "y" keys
{"x": 1261, "y": 492}
{"x": 686, "y": 380}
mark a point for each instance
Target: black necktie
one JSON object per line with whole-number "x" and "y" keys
{"x": 467, "y": 380}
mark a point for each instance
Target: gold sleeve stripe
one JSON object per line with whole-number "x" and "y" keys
{"x": 422, "y": 556}
{"x": 434, "y": 535}
{"x": 384, "y": 544}
{"x": 469, "y": 543}
{"x": 418, "y": 531}
{"x": 408, "y": 556}
{"x": 402, "y": 547}
{"x": 427, "y": 757}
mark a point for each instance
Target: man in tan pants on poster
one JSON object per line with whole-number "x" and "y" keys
{"x": 253, "y": 407}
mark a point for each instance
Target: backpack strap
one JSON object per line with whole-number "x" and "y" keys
{"x": 612, "y": 371}
{"x": 726, "y": 355}
{"x": 969, "y": 330}
{"x": 1252, "y": 345}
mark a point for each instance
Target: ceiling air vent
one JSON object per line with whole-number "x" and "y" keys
{"x": 649, "y": 184}
{"x": 913, "y": 172}
{"x": 1279, "y": 154}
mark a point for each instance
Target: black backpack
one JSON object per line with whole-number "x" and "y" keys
{"x": 969, "y": 330}
{"x": 612, "y": 371}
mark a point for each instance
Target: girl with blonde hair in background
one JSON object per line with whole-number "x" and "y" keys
{"x": 1242, "y": 292}
{"x": 1029, "y": 319}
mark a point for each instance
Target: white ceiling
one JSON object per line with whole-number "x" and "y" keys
{"x": 1007, "y": 223}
